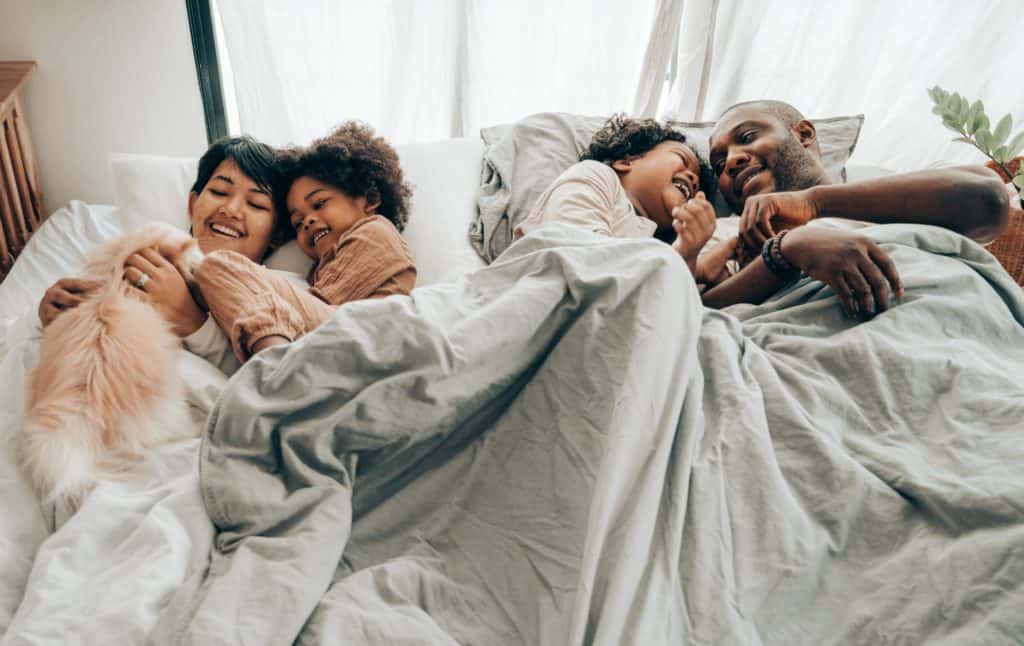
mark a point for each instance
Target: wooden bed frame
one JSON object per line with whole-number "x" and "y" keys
{"x": 21, "y": 196}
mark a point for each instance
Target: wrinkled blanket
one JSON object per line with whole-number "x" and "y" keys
{"x": 566, "y": 448}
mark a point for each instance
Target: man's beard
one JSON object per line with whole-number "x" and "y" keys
{"x": 796, "y": 167}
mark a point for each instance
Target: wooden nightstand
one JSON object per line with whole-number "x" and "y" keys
{"x": 21, "y": 196}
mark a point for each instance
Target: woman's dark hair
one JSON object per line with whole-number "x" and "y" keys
{"x": 622, "y": 137}
{"x": 255, "y": 159}
{"x": 355, "y": 161}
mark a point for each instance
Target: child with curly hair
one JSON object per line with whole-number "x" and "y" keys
{"x": 347, "y": 201}
{"x": 638, "y": 179}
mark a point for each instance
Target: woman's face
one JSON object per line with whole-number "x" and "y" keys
{"x": 233, "y": 213}
{"x": 321, "y": 213}
{"x": 661, "y": 179}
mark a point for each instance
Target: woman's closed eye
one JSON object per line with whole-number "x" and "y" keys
{"x": 218, "y": 193}
{"x": 258, "y": 207}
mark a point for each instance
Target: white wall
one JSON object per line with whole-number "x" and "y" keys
{"x": 112, "y": 76}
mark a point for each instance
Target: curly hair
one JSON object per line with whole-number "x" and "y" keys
{"x": 622, "y": 137}
{"x": 353, "y": 160}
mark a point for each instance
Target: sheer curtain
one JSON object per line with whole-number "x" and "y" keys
{"x": 875, "y": 57}
{"x": 421, "y": 71}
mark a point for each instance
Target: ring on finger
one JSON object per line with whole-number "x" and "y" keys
{"x": 141, "y": 281}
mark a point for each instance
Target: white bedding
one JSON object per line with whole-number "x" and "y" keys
{"x": 105, "y": 575}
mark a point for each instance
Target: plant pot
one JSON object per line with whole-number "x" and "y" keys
{"x": 1013, "y": 165}
{"x": 1008, "y": 248}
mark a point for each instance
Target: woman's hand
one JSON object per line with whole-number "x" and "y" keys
{"x": 165, "y": 289}
{"x": 854, "y": 266}
{"x": 765, "y": 215}
{"x": 63, "y": 295}
{"x": 694, "y": 224}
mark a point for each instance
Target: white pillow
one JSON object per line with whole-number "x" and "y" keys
{"x": 444, "y": 176}
{"x": 148, "y": 188}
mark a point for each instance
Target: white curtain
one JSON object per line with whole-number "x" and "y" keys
{"x": 875, "y": 57}
{"x": 432, "y": 69}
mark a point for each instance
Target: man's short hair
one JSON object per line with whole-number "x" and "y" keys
{"x": 784, "y": 112}
{"x": 622, "y": 137}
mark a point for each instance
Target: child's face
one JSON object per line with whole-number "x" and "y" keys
{"x": 232, "y": 212}
{"x": 321, "y": 213}
{"x": 661, "y": 179}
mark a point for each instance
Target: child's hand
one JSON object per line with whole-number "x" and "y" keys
{"x": 694, "y": 223}
{"x": 711, "y": 265}
{"x": 165, "y": 289}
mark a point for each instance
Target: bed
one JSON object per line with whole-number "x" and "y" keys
{"x": 520, "y": 454}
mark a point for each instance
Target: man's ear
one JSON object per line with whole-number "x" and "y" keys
{"x": 806, "y": 133}
{"x": 623, "y": 165}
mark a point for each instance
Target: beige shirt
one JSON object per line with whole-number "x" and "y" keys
{"x": 589, "y": 195}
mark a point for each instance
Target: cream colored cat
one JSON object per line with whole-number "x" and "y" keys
{"x": 106, "y": 387}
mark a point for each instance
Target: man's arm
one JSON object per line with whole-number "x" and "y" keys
{"x": 862, "y": 275}
{"x": 967, "y": 199}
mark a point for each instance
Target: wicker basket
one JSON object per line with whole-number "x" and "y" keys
{"x": 1009, "y": 247}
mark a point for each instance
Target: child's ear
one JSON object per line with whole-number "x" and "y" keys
{"x": 623, "y": 165}
{"x": 371, "y": 207}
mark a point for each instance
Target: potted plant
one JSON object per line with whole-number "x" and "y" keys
{"x": 971, "y": 124}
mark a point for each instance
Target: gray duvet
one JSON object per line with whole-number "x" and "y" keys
{"x": 566, "y": 448}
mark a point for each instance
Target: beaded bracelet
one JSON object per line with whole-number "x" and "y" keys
{"x": 771, "y": 253}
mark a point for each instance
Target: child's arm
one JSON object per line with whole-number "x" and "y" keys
{"x": 251, "y": 303}
{"x": 371, "y": 260}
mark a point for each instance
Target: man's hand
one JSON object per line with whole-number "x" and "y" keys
{"x": 64, "y": 294}
{"x": 165, "y": 289}
{"x": 854, "y": 266}
{"x": 765, "y": 215}
{"x": 694, "y": 224}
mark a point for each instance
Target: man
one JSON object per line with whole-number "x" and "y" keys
{"x": 768, "y": 162}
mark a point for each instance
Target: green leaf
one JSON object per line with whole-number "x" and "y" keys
{"x": 965, "y": 108}
{"x": 950, "y": 104}
{"x": 952, "y": 125}
{"x": 964, "y": 140}
{"x": 934, "y": 94}
{"x": 1000, "y": 154}
{"x": 1016, "y": 145}
{"x": 1002, "y": 130}
{"x": 974, "y": 117}
{"x": 1018, "y": 181}
{"x": 983, "y": 138}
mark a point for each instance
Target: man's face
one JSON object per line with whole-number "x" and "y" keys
{"x": 233, "y": 213}
{"x": 753, "y": 152}
{"x": 661, "y": 179}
